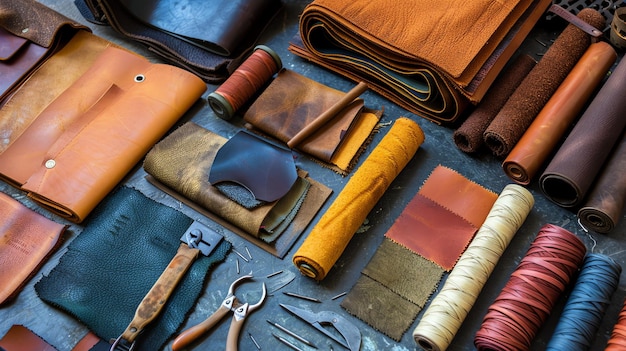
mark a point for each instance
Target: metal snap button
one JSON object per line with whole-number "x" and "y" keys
{"x": 50, "y": 164}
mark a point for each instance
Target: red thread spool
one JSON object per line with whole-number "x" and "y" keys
{"x": 245, "y": 82}
{"x": 617, "y": 341}
{"x": 532, "y": 291}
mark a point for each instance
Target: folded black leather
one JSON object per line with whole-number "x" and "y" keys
{"x": 210, "y": 40}
{"x": 29, "y": 33}
{"x": 126, "y": 244}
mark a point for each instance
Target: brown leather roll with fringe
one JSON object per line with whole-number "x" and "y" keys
{"x": 536, "y": 89}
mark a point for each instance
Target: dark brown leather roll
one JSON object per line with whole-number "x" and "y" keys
{"x": 548, "y": 128}
{"x": 469, "y": 136}
{"x": 603, "y": 207}
{"x": 536, "y": 89}
{"x": 573, "y": 169}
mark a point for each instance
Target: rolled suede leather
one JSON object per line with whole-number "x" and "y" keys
{"x": 27, "y": 238}
{"x": 539, "y": 85}
{"x": 30, "y": 33}
{"x": 435, "y": 79}
{"x": 88, "y": 124}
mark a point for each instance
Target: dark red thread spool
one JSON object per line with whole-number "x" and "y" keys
{"x": 245, "y": 82}
{"x": 527, "y": 299}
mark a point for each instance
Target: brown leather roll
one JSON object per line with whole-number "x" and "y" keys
{"x": 556, "y": 117}
{"x": 603, "y": 207}
{"x": 536, "y": 89}
{"x": 573, "y": 169}
{"x": 469, "y": 136}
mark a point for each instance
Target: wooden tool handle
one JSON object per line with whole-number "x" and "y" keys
{"x": 155, "y": 299}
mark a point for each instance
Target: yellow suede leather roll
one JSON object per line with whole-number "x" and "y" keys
{"x": 346, "y": 214}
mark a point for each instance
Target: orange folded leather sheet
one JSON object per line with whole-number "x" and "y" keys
{"x": 84, "y": 142}
{"x": 432, "y": 66}
{"x": 26, "y": 240}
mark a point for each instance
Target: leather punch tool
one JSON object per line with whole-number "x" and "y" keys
{"x": 230, "y": 303}
{"x": 197, "y": 239}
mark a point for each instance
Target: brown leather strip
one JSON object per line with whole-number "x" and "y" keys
{"x": 533, "y": 289}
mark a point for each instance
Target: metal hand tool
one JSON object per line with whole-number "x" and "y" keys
{"x": 230, "y": 303}
{"x": 350, "y": 333}
{"x": 197, "y": 239}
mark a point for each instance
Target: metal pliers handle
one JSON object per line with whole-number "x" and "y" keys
{"x": 229, "y": 304}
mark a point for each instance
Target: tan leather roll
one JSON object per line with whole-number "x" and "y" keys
{"x": 547, "y": 129}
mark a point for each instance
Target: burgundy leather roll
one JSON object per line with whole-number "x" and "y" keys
{"x": 534, "y": 92}
{"x": 605, "y": 203}
{"x": 548, "y": 128}
{"x": 573, "y": 169}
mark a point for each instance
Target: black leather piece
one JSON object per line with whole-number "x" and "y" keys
{"x": 225, "y": 27}
{"x": 267, "y": 170}
{"x": 127, "y": 242}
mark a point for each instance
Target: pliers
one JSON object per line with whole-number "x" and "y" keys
{"x": 230, "y": 303}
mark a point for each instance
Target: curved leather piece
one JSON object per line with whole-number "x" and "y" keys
{"x": 267, "y": 170}
{"x": 223, "y": 26}
{"x": 575, "y": 166}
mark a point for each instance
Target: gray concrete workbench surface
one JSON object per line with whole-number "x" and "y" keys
{"x": 63, "y": 332}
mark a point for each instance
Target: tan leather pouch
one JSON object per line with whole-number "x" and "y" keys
{"x": 82, "y": 144}
{"x": 26, "y": 240}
